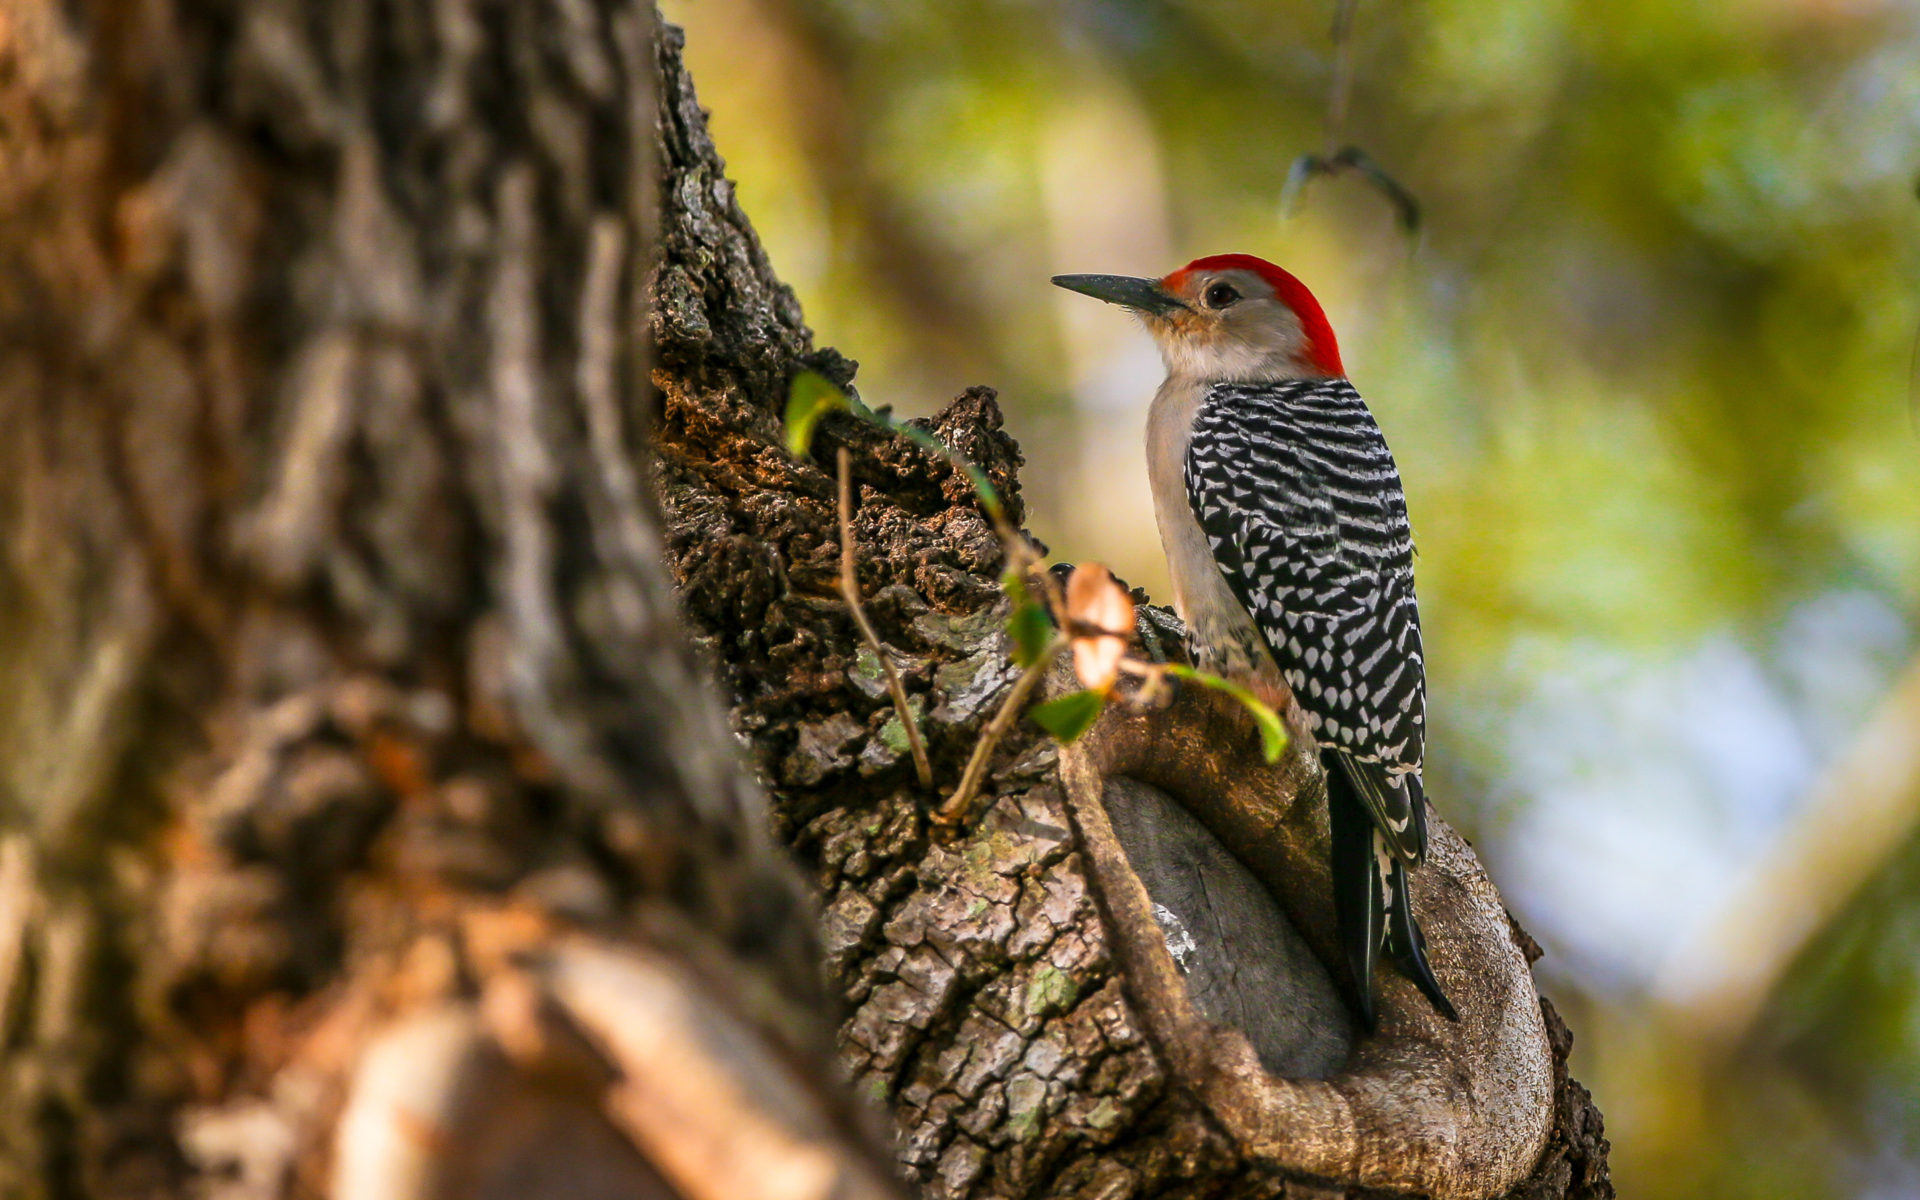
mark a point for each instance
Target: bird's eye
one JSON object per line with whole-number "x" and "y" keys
{"x": 1220, "y": 295}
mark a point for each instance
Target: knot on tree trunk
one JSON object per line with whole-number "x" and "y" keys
{"x": 1212, "y": 869}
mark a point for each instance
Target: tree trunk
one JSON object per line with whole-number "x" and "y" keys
{"x": 369, "y": 829}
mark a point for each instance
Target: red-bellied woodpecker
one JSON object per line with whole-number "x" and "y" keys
{"x": 1286, "y": 533}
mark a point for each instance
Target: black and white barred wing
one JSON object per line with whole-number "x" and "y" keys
{"x": 1301, "y": 502}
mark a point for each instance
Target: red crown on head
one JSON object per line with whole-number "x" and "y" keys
{"x": 1322, "y": 350}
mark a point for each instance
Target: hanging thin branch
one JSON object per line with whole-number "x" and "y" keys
{"x": 1339, "y": 157}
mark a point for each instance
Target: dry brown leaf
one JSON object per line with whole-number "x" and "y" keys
{"x": 1100, "y": 619}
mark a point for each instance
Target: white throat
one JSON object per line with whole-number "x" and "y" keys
{"x": 1228, "y": 360}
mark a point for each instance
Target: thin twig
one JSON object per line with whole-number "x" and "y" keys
{"x": 956, "y": 805}
{"x": 850, "y": 591}
{"x": 1341, "y": 88}
{"x": 1024, "y": 563}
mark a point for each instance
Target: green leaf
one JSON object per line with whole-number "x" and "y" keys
{"x": 1031, "y": 630}
{"x": 811, "y": 397}
{"x": 1071, "y": 715}
{"x": 1273, "y": 732}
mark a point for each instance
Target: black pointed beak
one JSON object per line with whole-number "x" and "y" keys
{"x": 1143, "y": 295}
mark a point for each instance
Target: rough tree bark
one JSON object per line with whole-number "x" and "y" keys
{"x": 370, "y": 829}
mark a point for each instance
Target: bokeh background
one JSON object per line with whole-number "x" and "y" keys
{"x": 1646, "y": 365}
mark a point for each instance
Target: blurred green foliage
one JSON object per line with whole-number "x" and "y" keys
{"x": 1645, "y": 368}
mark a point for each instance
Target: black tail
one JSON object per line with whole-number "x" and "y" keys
{"x": 1358, "y": 898}
{"x": 1371, "y": 898}
{"x": 1409, "y": 946}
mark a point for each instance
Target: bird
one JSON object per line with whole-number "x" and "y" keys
{"x": 1285, "y": 527}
